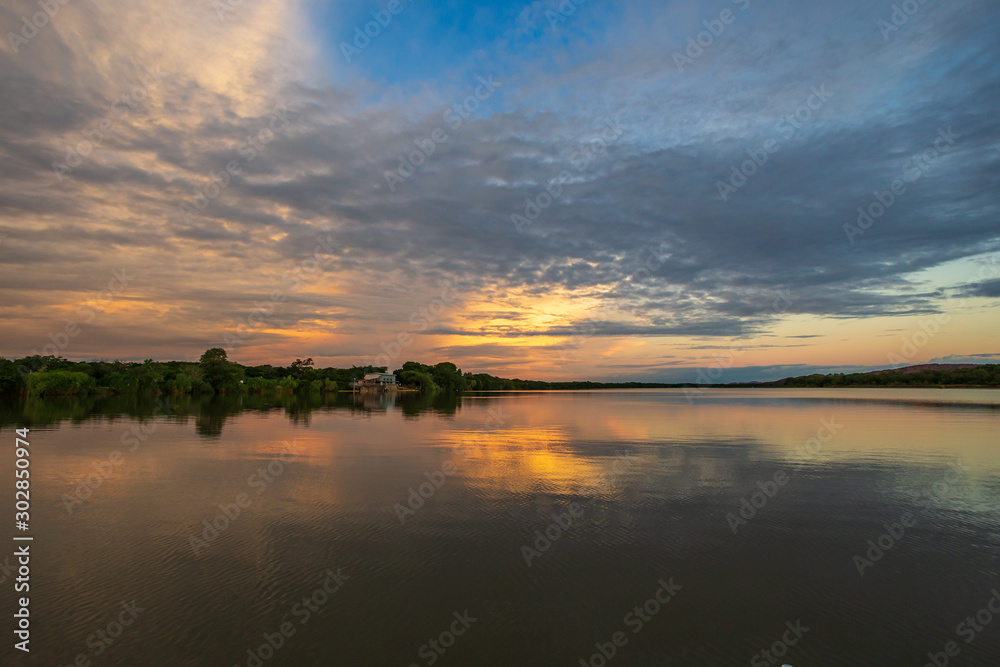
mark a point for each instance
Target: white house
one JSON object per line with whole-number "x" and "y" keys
{"x": 378, "y": 379}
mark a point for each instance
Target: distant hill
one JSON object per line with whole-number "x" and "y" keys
{"x": 928, "y": 367}
{"x": 920, "y": 375}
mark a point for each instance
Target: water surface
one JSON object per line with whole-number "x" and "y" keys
{"x": 649, "y": 486}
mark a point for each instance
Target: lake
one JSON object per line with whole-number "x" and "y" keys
{"x": 823, "y": 527}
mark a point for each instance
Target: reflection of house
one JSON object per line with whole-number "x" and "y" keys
{"x": 379, "y": 380}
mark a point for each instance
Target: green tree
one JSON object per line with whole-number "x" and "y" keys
{"x": 448, "y": 376}
{"x": 418, "y": 379}
{"x": 220, "y": 373}
{"x": 148, "y": 376}
{"x": 10, "y": 381}
{"x": 302, "y": 370}
{"x": 59, "y": 383}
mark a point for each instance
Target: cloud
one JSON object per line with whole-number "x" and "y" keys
{"x": 985, "y": 358}
{"x": 989, "y": 289}
{"x": 637, "y": 244}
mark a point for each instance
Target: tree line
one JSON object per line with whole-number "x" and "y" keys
{"x": 214, "y": 373}
{"x": 986, "y": 375}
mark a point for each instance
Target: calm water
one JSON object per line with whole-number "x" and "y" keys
{"x": 648, "y": 488}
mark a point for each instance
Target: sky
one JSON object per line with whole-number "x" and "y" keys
{"x": 658, "y": 191}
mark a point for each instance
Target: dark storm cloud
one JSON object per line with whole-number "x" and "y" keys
{"x": 989, "y": 289}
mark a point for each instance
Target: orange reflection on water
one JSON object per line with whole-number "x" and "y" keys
{"x": 558, "y": 441}
{"x": 524, "y": 459}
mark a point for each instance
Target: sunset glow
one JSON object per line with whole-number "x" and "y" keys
{"x": 265, "y": 184}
